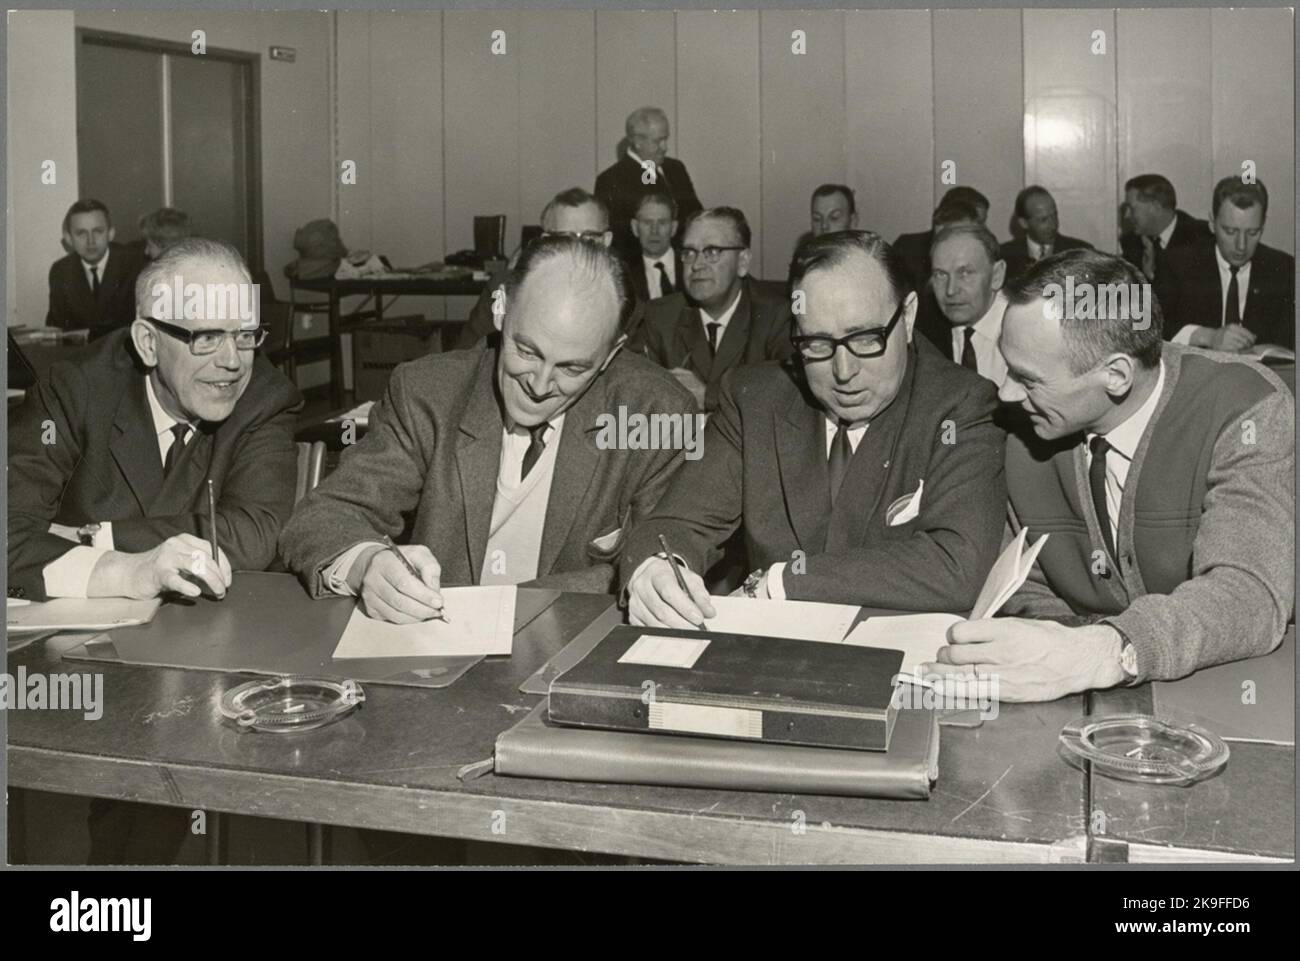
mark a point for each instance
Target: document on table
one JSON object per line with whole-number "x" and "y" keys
{"x": 482, "y": 623}
{"x": 797, "y": 620}
{"x": 919, "y": 636}
{"x": 78, "y": 614}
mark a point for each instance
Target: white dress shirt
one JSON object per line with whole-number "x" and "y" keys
{"x": 69, "y": 574}
{"x": 1167, "y": 234}
{"x": 1036, "y": 250}
{"x": 1184, "y": 336}
{"x": 102, "y": 266}
{"x": 1123, "y": 442}
{"x": 652, "y": 272}
{"x": 988, "y": 358}
{"x": 721, "y": 320}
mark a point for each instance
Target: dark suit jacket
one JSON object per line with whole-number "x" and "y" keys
{"x": 104, "y": 465}
{"x": 1015, "y": 252}
{"x": 73, "y": 306}
{"x": 1190, "y": 292}
{"x": 765, "y": 470}
{"x": 669, "y": 331}
{"x": 620, "y": 188}
{"x": 1188, "y": 230}
{"x": 433, "y": 450}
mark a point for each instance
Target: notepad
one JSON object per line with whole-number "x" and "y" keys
{"x": 79, "y": 614}
{"x": 919, "y": 636}
{"x": 796, "y": 620}
{"x": 482, "y": 623}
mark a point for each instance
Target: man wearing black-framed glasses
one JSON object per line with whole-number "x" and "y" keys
{"x": 868, "y": 470}
{"x": 110, "y": 453}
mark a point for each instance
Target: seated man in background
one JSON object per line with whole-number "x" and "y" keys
{"x": 1227, "y": 291}
{"x": 1157, "y": 224}
{"x": 570, "y": 213}
{"x": 966, "y": 280}
{"x": 657, "y": 272}
{"x": 833, "y": 208}
{"x": 501, "y": 457}
{"x": 866, "y": 471}
{"x": 1041, "y": 232}
{"x": 163, "y": 228}
{"x": 1163, "y": 475}
{"x": 110, "y": 452}
{"x": 959, "y": 204}
{"x": 723, "y": 318}
{"x": 94, "y": 285}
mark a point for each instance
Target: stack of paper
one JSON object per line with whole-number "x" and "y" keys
{"x": 797, "y": 620}
{"x": 481, "y": 621}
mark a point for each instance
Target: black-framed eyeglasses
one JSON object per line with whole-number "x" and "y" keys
{"x": 861, "y": 343}
{"x": 711, "y": 254}
{"x": 209, "y": 341}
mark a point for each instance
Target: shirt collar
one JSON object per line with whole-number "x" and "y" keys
{"x": 725, "y": 317}
{"x": 666, "y": 258}
{"x": 1124, "y": 438}
{"x": 1225, "y": 268}
{"x": 162, "y": 421}
{"x": 101, "y": 266}
{"x": 1035, "y": 248}
{"x": 990, "y": 325}
{"x": 637, "y": 157}
{"x": 1168, "y": 232}
{"x": 555, "y": 423}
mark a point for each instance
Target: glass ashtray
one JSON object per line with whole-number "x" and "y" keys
{"x": 1137, "y": 747}
{"x": 282, "y": 705}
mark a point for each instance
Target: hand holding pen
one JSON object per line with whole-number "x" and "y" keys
{"x": 402, "y": 585}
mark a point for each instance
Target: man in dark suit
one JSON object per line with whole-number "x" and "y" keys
{"x": 723, "y": 318}
{"x": 570, "y": 213}
{"x": 503, "y": 463}
{"x": 644, "y": 168}
{"x": 1040, "y": 232}
{"x": 94, "y": 285}
{"x": 110, "y": 453}
{"x": 1157, "y": 224}
{"x": 959, "y": 205}
{"x": 657, "y": 270}
{"x": 868, "y": 471}
{"x": 1228, "y": 291}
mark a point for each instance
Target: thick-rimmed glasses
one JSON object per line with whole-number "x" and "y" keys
{"x": 711, "y": 254}
{"x": 860, "y": 343}
{"x": 209, "y": 341}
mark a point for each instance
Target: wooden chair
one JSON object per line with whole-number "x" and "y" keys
{"x": 311, "y": 464}
{"x": 283, "y": 348}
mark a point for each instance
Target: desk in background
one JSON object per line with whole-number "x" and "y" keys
{"x": 431, "y": 285}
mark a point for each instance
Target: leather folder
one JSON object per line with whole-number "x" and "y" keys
{"x": 536, "y": 748}
{"x": 664, "y": 681}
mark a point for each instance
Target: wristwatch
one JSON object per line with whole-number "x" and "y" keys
{"x": 86, "y": 534}
{"x": 1128, "y": 658}
{"x": 750, "y": 587}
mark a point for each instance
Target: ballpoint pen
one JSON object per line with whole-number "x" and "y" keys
{"x": 389, "y": 545}
{"x": 672, "y": 560}
{"x": 212, "y": 524}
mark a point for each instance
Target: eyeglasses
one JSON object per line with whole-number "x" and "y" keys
{"x": 209, "y": 341}
{"x": 862, "y": 343}
{"x": 711, "y": 254}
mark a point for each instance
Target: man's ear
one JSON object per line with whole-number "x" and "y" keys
{"x": 498, "y": 316}
{"x": 745, "y": 258}
{"x": 613, "y": 352}
{"x": 607, "y": 238}
{"x": 1119, "y": 370}
{"x": 672, "y": 229}
{"x": 999, "y": 274}
{"x": 853, "y": 220}
{"x": 112, "y": 232}
{"x": 636, "y": 228}
{"x": 145, "y": 339}
{"x": 910, "y": 303}
{"x": 1023, "y": 224}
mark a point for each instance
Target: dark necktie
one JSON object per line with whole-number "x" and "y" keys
{"x": 713, "y": 329}
{"x": 841, "y": 454}
{"x": 665, "y": 285}
{"x": 179, "y": 433}
{"x": 1097, "y": 481}
{"x": 536, "y": 444}
{"x": 968, "y": 351}
{"x": 1232, "y": 309}
{"x": 663, "y": 179}
{"x": 94, "y": 279}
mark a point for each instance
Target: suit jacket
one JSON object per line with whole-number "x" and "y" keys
{"x": 1188, "y": 230}
{"x": 670, "y": 332}
{"x": 429, "y": 464}
{"x": 1015, "y": 252}
{"x": 765, "y": 471}
{"x": 104, "y": 465}
{"x": 640, "y": 286}
{"x": 1190, "y": 292}
{"x": 73, "y": 306}
{"x": 620, "y": 188}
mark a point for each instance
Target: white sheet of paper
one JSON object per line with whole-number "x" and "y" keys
{"x": 79, "y": 614}
{"x": 660, "y": 651}
{"x": 482, "y": 622}
{"x": 918, "y": 636}
{"x": 1007, "y": 575}
{"x": 797, "y": 620}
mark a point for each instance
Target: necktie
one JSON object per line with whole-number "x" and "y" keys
{"x": 179, "y": 433}
{"x": 1045, "y": 252}
{"x": 968, "y": 351}
{"x": 94, "y": 279}
{"x": 841, "y": 454}
{"x": 1097, "y": 481}
{"x": 713, "y": 329}
{"x": 663, "y": 180}
{"x": 536, "y": 444}
{"x": 1232, "y": 309}
{"x": 665, "y": 285}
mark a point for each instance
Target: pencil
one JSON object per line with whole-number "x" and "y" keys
{"x": 672, "y": 560}
{"x": 212, "y": 524}
{"x": 389, "y": 545}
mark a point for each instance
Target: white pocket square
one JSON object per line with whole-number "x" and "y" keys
{"x": 607, "y": 542}
{"x": 906, "y": 508}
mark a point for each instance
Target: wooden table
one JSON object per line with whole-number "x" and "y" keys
{"x": 1003, "y": 793}
{"x": 378, "y": 287}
